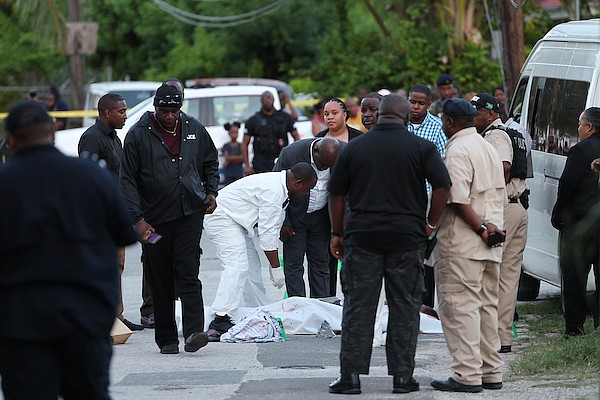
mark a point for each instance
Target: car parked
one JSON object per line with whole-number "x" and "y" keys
{"x": 213, "y": 107}
{"x": 134, "y": 92}
{"x": 303, "y": 123}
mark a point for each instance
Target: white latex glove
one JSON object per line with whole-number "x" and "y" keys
{"x": 277, "y": 277}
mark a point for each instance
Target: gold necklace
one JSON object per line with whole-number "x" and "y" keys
{"x": 173, "y": 132}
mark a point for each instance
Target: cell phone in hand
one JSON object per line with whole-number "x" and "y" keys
{"x": 153, "y": 238}
{"x": 495, "y": 238}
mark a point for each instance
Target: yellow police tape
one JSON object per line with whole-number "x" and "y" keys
{"x": 65, "y": 114}
{"x": 94, "y": 113}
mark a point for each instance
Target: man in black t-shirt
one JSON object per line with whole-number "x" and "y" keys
{"x": 269, "y": 128}
{"x": 101, "y": 140}
{"x": 383, "y": 176}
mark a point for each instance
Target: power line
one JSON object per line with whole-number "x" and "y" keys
{"x": 219, "y": 21}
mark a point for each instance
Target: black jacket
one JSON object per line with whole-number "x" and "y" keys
{"x": 61, "y": 221}
{"x": 160, "y": 188}
{"x": 578, "y": 189}
{"x": 352, "y": 133}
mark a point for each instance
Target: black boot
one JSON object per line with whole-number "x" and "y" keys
{"x": 345, "y": 384}
{"x": 405, "y": 385}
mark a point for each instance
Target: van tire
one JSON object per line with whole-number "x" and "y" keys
{"x": 529, "y": 288}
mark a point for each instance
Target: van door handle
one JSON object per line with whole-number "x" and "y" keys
{"x": 550, "y": 173}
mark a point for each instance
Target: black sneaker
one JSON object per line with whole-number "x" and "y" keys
{"x": 213, "y": 335}
{"x": 405, "y": 385}
{"x": 221, "y": 324}
{"x": 505, "y": 349}
{"x": 195, "y": 341}
{"x": 169, "y": 349}
{"x": 147, "y": 321}
{"x": 131, "y": 325}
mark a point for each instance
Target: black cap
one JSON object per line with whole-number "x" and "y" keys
{"x": 168, "y": 96}
{"x": 24, "y": 114}
{"x": 487, "y": 101}
{"x": 444, "y": 79}
{"x": 458, "y": 108}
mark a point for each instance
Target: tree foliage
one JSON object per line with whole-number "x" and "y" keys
{"x": 27, "y": 61}
{"x": 330, "y": 47}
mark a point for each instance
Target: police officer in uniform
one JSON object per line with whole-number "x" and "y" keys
{"x": 466, "y": 274}
{"x": 487, "y": 121}
{"x": 268, "y": 130}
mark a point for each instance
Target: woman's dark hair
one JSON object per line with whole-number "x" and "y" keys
{"x": 342, "y": 104}
{"x": 228, "y": 125}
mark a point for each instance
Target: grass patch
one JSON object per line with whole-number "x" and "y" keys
{"x": 550, "y": 353}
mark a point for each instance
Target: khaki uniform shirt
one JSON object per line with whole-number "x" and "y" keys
{"x": 503, "y": 145}
{"x": 477, "y": 179}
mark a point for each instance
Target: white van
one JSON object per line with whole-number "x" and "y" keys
{"x": 133, "y": 92}
{"x": 559, "y": 80}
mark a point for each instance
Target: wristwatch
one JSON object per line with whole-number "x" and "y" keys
{"x": 481, "y": 229}
{"x": 337, "y": 233}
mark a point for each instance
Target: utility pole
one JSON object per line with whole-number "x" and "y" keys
{"x": 76, "y": 60}
{"x": 513, "y": 55}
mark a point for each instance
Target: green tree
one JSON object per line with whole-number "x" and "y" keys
{"x": 28, "y": 62}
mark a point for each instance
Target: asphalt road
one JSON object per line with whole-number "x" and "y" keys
{"x": 299, "y": 368}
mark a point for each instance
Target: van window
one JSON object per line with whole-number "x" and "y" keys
{"x": 516, "y": 108}
{"x": 554, "y": 108}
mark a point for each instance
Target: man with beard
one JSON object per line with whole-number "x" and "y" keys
{"x": 369, "y": 109}
{"x": 170, "y": 177}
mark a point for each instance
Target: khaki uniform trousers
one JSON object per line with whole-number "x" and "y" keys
{"x": 515, "y": 223}
{"x": 468, "y": 298}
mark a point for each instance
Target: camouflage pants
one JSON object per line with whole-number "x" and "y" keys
{"x": 361, "y": 278}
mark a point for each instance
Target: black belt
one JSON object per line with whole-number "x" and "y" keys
{"x": 513, "y": 200}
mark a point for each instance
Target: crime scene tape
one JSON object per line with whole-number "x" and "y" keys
{"x": 94, "y": 113}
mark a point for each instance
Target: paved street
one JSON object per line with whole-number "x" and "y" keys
{"x": 299, "y": 368}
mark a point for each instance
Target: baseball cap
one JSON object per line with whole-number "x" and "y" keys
{"x": 444, "y": 79}
{"x": 24, "y": 114}
{"x": 168, "y": 96}
{"x": 458, "y": 108}
{"x": 487, "y": 101}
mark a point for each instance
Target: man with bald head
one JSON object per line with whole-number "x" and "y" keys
{"x": 385, "y": 237}
{"x": 306, "y": 227}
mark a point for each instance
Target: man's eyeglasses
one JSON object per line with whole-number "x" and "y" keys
{"x": 169, "y": 100}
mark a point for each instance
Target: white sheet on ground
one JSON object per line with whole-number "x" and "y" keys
{"x": 303, "y": 316}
